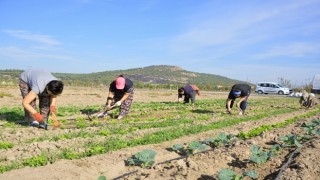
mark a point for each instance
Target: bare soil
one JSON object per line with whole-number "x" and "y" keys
{"x": 169, "y": 165}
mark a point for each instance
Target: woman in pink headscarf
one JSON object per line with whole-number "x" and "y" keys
{"x": 120, "y": 95}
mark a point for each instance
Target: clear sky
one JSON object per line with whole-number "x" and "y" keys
{"x": 250, "y": 40}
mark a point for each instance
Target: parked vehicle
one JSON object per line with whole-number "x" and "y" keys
{"x": 271, "y": 88}
{"x": 316, "y": 84}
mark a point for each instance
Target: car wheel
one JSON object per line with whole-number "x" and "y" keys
{"x": 280, "y": 93}
{"x": 260, "y": 92}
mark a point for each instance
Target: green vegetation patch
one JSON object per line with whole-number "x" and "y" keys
{"x": 5, "y": 145}
{"x": 2, "y": 94}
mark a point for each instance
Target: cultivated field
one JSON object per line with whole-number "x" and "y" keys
{"x": 161, "y": 139}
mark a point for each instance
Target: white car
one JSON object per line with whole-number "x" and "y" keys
{"x": 272, "y": 88}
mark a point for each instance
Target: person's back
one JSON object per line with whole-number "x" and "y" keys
{"x": 39, "y": 84}
{"x": 189, "y": 91}
{"x": 307, "y": 99}
{"x": 304, "y": 98}
{"x": 37, "y": 79}
{"x": 311, "y": 100}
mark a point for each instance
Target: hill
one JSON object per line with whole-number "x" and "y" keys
{"x": 151, "y": 76}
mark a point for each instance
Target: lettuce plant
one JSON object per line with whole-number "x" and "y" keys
{"x": 227, "y": 174}
{"x": 219, "y": 140}
{"x": 259, "y": 156}
{"x": 145, "y": 159}
{"x": 189, "y": 149}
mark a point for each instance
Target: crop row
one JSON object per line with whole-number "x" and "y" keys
{"x": 259, "y": 155}
{"x": 162, "y": 122}
{"x": 94, "y": 148}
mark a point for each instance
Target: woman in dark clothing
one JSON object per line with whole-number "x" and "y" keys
{"x": 120, "y": 94}
{"x": 241, "y": 91}
{"x": 189, "y": 91}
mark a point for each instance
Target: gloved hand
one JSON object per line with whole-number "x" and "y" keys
{"x": 118, "y": 103}
{"x": 55, "y": 120}
{"x": 108, "y": 108}
{"x": 38, "y": 117}
{"x": 56, "y": 124}
{"x": 53, "y": 109}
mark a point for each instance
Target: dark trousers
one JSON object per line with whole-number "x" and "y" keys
{"x": 191, "y": 96}
{"x": 44, "y": 103}
{"x": 243, "y": 104}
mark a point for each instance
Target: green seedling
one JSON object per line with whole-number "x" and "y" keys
{"x": 294, "y": 140}
{"x": 194, "y": 146}
{"x": 178, "y": 148}
{"x": 145, "y": 159}
{"x": 98, "y": 149}
{"x": 276, "y": 148}
{"x": 227, "y": 174}
{"x": 69, "y": 154}
{"x": 312, "y": 129}
{"x": 316, "y": 122}
{"x": 260, "y": 156}
{"x": 102, "y": 178}
{"x": 190, "y": 149}
{"x": 219, "y": 140}
{"x": 6, "y": 145}
{"x": 252, "y": 174}
{"x": 36, "y": 161}
{"x": 105, "y": 132}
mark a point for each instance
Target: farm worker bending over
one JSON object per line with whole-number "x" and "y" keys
{"x": 35, "y": 83}
{"x": 120, "y": 94}
{"x": 189, "y": 91}
{"x": 241, "y": 91}
{"x": 307, "y": 99}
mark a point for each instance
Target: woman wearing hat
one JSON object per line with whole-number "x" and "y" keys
{"x": 241, "y": 91}
{"x": 120, "y": 94}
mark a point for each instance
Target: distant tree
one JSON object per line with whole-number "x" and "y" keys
{"x": 307, "y": 86}
{"x": 208, "y": 86}
{"x": 284, "y": 82}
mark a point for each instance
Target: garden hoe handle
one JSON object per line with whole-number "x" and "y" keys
{"x": 105, "y": 110}
{"x": 111, "y": 107}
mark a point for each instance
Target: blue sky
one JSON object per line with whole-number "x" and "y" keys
{"x": 250, "y": 40}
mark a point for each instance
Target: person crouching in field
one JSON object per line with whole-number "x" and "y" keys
{"x": 307, "y": 99}
{"x": 189, "y": 91}
{"x": 241, "y": 91}
{"x": 35, "y": 83}
{"x": 120, "y": 94}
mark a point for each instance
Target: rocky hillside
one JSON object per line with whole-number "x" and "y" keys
{"x": 161, "y": 75}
